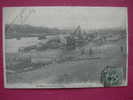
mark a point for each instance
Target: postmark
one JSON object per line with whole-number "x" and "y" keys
{"x": 112, "y": 76}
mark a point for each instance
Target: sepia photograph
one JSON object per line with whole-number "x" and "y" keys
{"x": 65, "y": 47}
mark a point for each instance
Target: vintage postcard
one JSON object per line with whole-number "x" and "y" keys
{"x": 65, "y": 47}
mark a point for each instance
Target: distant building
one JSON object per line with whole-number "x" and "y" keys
{"x": 70, "y": 43}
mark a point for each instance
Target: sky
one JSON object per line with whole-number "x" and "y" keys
{"x": 68, "y": 17}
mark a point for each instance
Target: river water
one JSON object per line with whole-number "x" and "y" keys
{"x": 12, "y": 45}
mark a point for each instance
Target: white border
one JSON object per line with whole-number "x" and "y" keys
{"x": 3, "y": 41}
{"x": 127, "y": 46}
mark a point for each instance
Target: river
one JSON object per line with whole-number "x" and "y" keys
{"x": 12, "y": 45}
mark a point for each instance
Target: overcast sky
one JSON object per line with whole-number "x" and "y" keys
{"x": 70, "y": 17}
